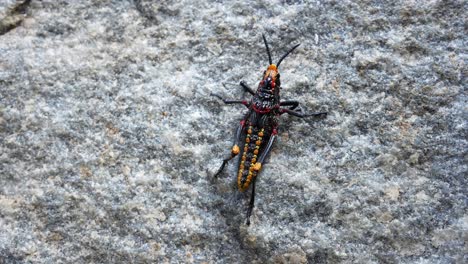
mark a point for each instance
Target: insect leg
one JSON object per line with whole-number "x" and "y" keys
{"x": 292, "y": 103}
{"x": 257, "y": 167}
{"x": 247, "y": 88}
{"x": 265, "y": 153}
{"x": 234, "y": 151}
{"x": 252, "y": 201}
{"x": 295, "y": 113}
{"x": 244, "y": 85}
{"x": 226, "y": 101}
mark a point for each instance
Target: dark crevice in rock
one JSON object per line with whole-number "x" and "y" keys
{"x": 144, "y": 9}
{"x": 14, "y": 17}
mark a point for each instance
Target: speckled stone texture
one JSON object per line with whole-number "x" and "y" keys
{"x": 109, "y": 138}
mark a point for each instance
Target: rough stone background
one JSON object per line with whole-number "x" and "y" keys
{"x": 109, "y": 138}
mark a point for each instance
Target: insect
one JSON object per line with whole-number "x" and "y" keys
{"x": 258, "y": 129}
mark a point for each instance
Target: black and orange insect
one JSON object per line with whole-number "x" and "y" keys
{"x": 259, "y": 128}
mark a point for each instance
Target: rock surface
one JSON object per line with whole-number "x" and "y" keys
{"x": 109, "y": 138}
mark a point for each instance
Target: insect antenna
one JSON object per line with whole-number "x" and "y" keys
{"x": 267, "y": 48}
{"x": 287, "y": 53}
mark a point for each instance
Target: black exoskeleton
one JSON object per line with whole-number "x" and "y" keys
{"x": 259, "y": 128}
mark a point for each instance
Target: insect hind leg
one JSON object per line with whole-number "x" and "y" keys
{"x": 257, "y": 168}
{"x": 234, "y": 151}
{"x": 251, "y": 203}
{"x": 225, "y": 161}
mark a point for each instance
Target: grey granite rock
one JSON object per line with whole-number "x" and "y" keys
{"x": 109, "y": 138}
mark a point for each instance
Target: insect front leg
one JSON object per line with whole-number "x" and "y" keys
{"x": 247, "y": 88}
{"x": 228, "y": 101}
{"x": 244, "y": 85}
{"x": 234, "y": 151}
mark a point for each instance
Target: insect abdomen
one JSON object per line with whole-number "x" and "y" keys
{"x": 254, "y": 140}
